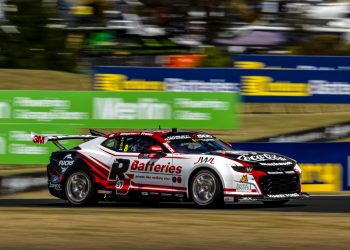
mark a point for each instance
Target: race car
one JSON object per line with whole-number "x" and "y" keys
{"x": 176, "y": 165}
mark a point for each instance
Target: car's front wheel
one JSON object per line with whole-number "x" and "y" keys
{"x": 79, "y": 189}
{"x": 206, "y": 189}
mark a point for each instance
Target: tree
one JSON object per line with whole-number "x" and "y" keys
{"x": 30, "y": 43}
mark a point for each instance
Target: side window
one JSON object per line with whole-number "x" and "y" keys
{"x": 110, "y": 143}
{"x": 131, "y": 144}
{"x": 140, "y": 144}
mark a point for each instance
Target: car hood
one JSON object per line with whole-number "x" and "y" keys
{"x": 267, "y": 159}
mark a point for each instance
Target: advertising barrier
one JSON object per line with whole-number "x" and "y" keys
{"x": 292, "y": 62}
{"x": 257, "y": 85}
{"x": 165, "y": 79}
{"x": 65, "y": 112}
{"x": 326, "y": 166}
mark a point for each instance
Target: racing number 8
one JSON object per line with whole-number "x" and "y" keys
{"x": 119, "y": 167}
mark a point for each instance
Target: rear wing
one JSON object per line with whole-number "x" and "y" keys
{"x": 43, "y": 139}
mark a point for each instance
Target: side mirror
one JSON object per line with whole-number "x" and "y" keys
{"x": 155, "y": 149}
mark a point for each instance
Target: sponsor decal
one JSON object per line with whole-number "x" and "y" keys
{"x": 142, "y": 109}
{"x": 66, "y": 162}
{"x": 118, "y": 170}
{"x": 151, "y": 167}
{"x": 54, "y": 179}
{"x": 145, "y": 193}
{"x": 120, "y": 82}
{"x": 154, "y": 193}
{"x": 323, "y": 87}
{"x": 193, "y": 137}
{"x": 244, "y": 179}
{"x": 214, "y": 85}
{"x": 177, "y": 137}
{"x": 205, "y": 160}
{"x": 249, "y": 169}
{"x": 294, "y": 195}
{"x": 255, "y": 157}
{"x": 168, "y": 147}
{"x": 166, "y": 195}
{"x": 276, "y": 172}
{"x": 177, "y": 179}
{"x": 243, "y": 187}
{"x": 39, "y": 139}
{"x": 203, "y": 136}
{"x": 55, "y": 186}
{"x": 247, "y": 199}
{"x": 104, "y": 192}
{"x": 117, "y": 173}
{"x": 276, "y": 163}
{"x": 249, "y": 65}
{"x": 265, "y": 86}
{"x": 289, "y": 172}
{"x": 228, "y": 199}
{"x": 179, "y": 195}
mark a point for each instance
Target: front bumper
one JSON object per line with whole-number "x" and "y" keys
{"x": 274, "y": 197}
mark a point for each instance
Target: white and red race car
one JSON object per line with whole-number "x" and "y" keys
{"x": 167, "y": 165}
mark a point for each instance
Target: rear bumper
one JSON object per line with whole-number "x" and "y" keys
{"x": 275, "y": 197}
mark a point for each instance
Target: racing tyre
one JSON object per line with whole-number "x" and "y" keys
{"x": 79, "y": 189}
{"x": 275, "y": 203}
{"x": 205, "y": 189}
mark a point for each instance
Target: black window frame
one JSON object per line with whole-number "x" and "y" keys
{"x": 117, "y": 141}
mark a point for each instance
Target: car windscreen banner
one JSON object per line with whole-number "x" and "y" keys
{"x": 325, "y": 166}
{"x": 255, "y": 85}
{"x": 292, "y": 62}
{"x": 65, "y": 112}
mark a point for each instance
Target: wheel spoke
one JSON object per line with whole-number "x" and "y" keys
{"x": 204, "y": 188}
{"x": 78, "y": 186}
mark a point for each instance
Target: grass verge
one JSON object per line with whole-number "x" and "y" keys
{"x": 23, "y": 79}
{"x": 109, "y": 228}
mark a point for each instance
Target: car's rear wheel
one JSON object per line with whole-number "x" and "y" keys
{"x": 79, "y": 189}
{"x": 275, "y": 203}
{"x": 205, "y": 189}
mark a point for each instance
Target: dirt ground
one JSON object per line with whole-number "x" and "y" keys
{"x": 120, "y": 228}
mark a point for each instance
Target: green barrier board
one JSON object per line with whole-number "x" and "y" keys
{"x": 65, "y": 112}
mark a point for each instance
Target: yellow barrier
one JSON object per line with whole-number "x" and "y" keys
{"x": 321, "y": 177}
{"x": 118, "y": 82}
{"x": 249, "y": 65}
{"x": 264, "y": 86}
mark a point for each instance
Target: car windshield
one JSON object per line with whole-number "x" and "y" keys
{"x": 196, "y": 144}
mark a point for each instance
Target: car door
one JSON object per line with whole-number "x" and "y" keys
{"x": 184, "y": 163}
{"x": 135, "y": 168}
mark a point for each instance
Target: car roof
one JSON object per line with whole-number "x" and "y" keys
{"x": 158, "y": 132}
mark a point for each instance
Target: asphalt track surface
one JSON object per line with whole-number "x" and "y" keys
{"x": 321, "y": 204}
